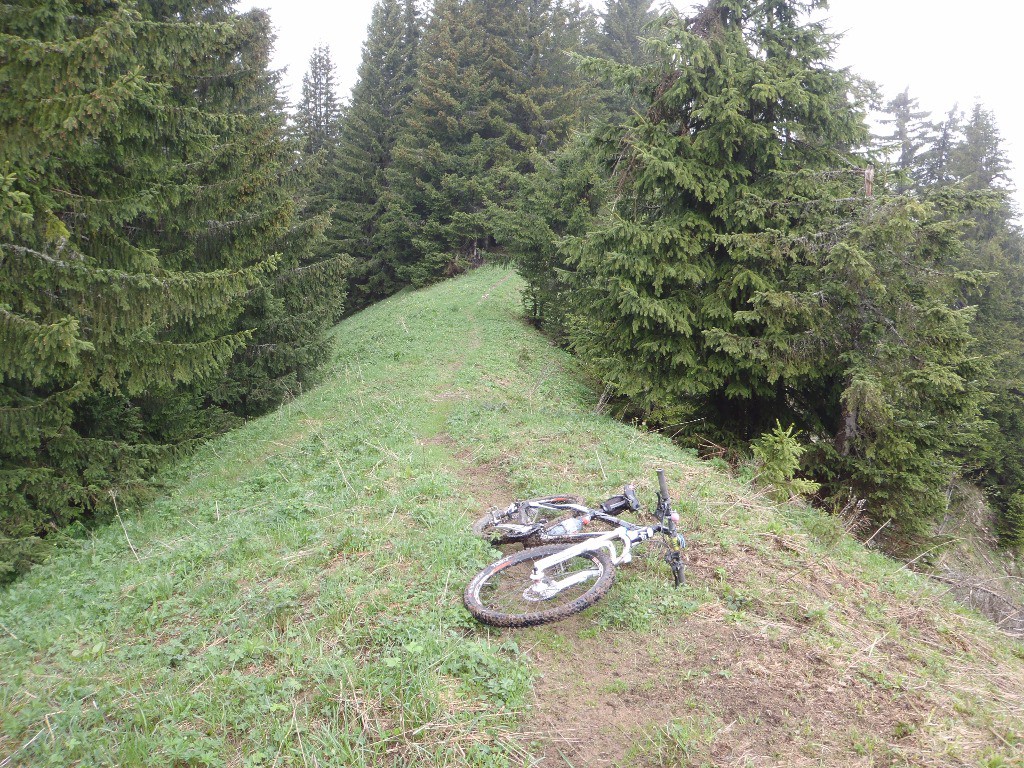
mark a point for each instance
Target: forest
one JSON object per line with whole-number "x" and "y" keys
{"x": 699, "y": 206}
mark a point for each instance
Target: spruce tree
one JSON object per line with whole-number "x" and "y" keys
{"x": 317, "y": 115}
{"x": 434, "y": 221}
{"x": 911, "y": 134}
{"x": 487, "y": 97}
{"x": 315, "y": 133}
{"x": 368, "y": 134}
{"x": 557, "y": 201}
{"x": 898, "y": 404}
{"x": 119, "y": 289}
{"x": 624, "y": 25}
{"x": 702, "y": 179}
{"x": 978, "y": 171}
{"x": 740, "y": 274}
{"x": 965, "y": 170}
{"x": 978, "y": 161}
{"x": 316, "y": 127}
{"x": 934, "y": 162}
{"x": 290, "y": 312}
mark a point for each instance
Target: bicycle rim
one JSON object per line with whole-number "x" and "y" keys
{"x": 504, "y": 595}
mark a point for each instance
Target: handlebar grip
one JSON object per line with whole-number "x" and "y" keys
{"x": 662, "y": 484}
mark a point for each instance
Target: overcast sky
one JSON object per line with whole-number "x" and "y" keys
{"x": 946, "y": 52}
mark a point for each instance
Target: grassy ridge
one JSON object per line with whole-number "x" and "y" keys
{"x": 295, "y": 597}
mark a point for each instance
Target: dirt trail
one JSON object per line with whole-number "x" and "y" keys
{"x": 756, "y": 690}
{"x": 775, "y": 701}
{"x": 486, "y": 482}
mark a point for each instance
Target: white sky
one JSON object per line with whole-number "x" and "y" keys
{"x": 947, "y": 52}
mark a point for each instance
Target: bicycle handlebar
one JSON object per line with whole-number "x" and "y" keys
{"x": 663, "y": 485}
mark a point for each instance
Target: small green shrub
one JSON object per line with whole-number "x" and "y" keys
{"x": 778, "y": 453}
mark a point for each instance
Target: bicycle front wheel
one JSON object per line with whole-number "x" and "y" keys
{"x": 504, "y": 595}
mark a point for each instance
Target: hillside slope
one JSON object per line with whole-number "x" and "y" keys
{"x": 295, "y": 596}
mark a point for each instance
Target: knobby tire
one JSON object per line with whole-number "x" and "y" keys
{"x": 495, "y": 595}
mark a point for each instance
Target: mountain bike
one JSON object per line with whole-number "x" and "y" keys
{"x": 542, "y": 584}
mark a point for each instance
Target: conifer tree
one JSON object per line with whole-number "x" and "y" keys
{"x": 486, "y": 98}
{"x": 434, "y": 222}
{"x": 119, "y": 289}
{"x": 978, "y": 161}
{"x": 153, "y": 262}
{"x": 911, "y": 133}
{"x": 549, "y": 96}
{"x": 557, "y": 201}
{"x": 934, "y": 166}
{"x": 624, "y": 24}
{"x": 965, "y": 168}
{"x": 317, "y": 116}
{"x": 324, "y": 265}
{"x": 701, "y": 178}
{"x": 740, "y": 275}
{"x": 978, "y": 170}
{"x": 367, "y": 139}
{"x": 290, "y": 312}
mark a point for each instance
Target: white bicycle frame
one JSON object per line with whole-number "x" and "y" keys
{"x": 544, "y": 588}
{"x": 519, "y": 528}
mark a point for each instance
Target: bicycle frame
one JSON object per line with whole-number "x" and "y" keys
{"x": 626, "y": 534}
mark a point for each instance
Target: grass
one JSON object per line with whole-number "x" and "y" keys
{"x": 294, "y": 597}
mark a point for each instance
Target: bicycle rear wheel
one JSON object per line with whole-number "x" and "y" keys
{"x": 504, "y": 595}
{"x": 516, "y": 522}
{"x": 497, "y": 525}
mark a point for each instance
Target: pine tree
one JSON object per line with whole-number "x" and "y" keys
{"x": 741, "y": 276}
{"x": 701, "y": 180}
{"x": 119, "y": 290}
{"x": 624, "y": 25}
{"x": 979, "y": 162}
{"x": 978, "y": 171}
{"x": 290, "y": 312}
{"x": 934, "y": 163}
{"x": 318, "y": 115}
{"x": 557, "y": 201}
{"x": 487, "y": 97}
{"x": 966, "y": 169}
{"x": 911, "y": 135}
{"x": 368, "y": 134}
{"x": 325, "y": 264}
{"x": 550, "y": 98}
{"x": 902, "y": 399}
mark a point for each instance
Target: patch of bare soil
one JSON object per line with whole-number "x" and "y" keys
{"x": 775, "y": 701}
{"x": 761, "y": 687}
{"x": 487, "y": 482}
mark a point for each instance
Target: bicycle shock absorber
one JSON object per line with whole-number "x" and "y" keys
{"x": 678, "y": 569}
